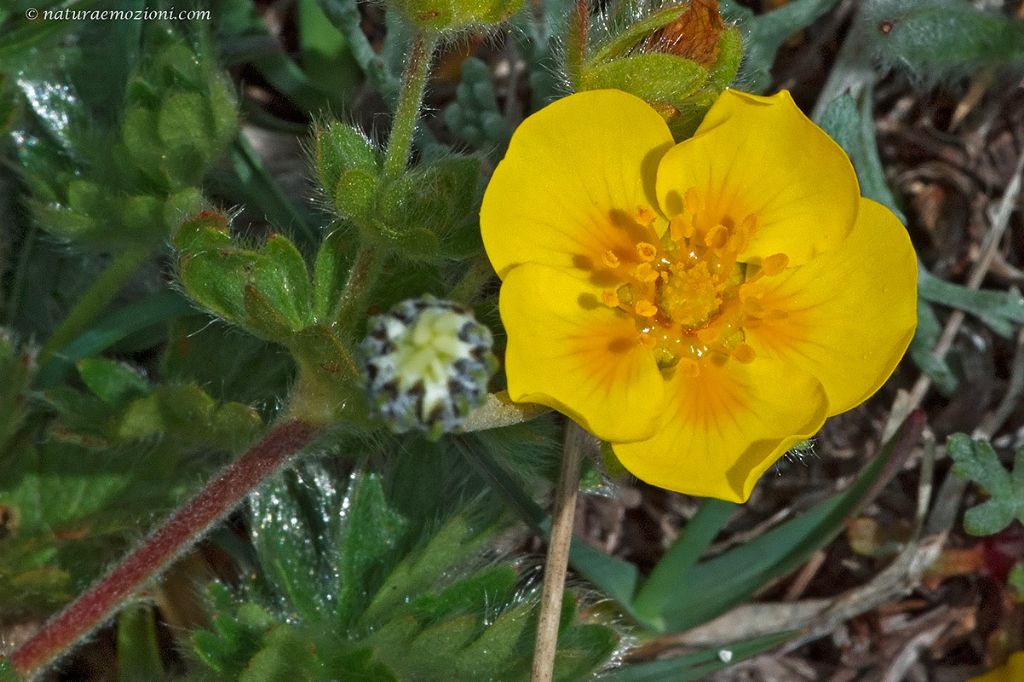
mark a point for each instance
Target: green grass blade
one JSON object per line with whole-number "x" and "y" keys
{"x": 670, "y": 577}
{"x": 696, "y": 665}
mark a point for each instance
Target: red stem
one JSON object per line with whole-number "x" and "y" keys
{"x": 183, "y": 529}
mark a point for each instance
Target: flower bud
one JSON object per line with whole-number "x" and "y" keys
{"x": 455, "y": 15}
{"x": 678, "y": 59}
{"x": 427, "y": 363}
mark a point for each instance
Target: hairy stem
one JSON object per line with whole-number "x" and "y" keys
{"x": 558, "y": 556}
{"x": 352, "y": 301}
{"x": 410, "y": 98}
{"x": 94, "y": 301}
{"x": 179, "y": 532}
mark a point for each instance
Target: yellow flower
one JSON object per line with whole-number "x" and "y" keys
{"x": 702, "y": 306}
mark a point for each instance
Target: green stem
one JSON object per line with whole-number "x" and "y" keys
{"x": 365, "y": 269}
{"x": 410, "y": 98}
{"x": 95, "y": 300}
{"x": 470, "y": 285}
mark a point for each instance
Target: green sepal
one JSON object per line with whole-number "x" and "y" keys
{"x": 216, "y": 279}
{"x": 281, "y": 275}
{"x": 319, "y": 348}
{"x": 723, "y": 72}
{"x": 623, "y": 44}
{"x": 182, "y": 121}
{"x": 339, "y": 148}
{"x": 262, "y": 317}
{"x": 354, "y": 196}
{"x": 206, "y": 230}
{"x": 653, "y": 77}
{"x": 330, "y": 271}
{"x": 110, "y": 381}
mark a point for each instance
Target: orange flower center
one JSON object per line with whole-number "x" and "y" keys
{"x": 690, "y": 296}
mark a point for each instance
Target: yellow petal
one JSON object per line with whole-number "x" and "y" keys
{"x": 574, "y": 176}
{"x": 850, "y": 313}
{"x": 569, "y": 351}
{"x": 762, "y": 156}
{"x": 725, "y": 426}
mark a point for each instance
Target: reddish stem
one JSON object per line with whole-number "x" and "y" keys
{"x": 183, "y": 529}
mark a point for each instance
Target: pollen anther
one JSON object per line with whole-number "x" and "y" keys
{"x": 646, "y": 309}
{"x": 774, "y": 264}
{"x": 610, "y": 259}
{"x": 646, "y": 251}
{"x": 717, "y": 237}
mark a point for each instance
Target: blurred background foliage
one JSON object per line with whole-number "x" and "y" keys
{"x": 138, "y": 356}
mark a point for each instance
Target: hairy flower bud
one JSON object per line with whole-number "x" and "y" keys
{"x": 427, "y": 363}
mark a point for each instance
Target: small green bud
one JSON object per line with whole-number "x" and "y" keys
{"x": 455, "y": 15}
{"x": 427, "y": 363}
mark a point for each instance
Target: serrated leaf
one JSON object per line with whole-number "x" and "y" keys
{"x": 284, "y": 545}
{"x": 285, "y": 654}
{"x": 452, "y": 542}
{"x": 368, "y": 535}
{"x": 496, "y": 647}
{"x": 975, "y": 460}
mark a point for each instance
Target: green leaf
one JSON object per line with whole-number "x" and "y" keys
{"x": 153, "y": 310}
{"x": 285, "y": 654}
{"x": 975, "y": 460}
{"x": 112, "y": 382}
{"x": 999, "y": 310}
{"x": 934, "y": 39}
{"x": 925, "y": 338}
{"x": 695, "y": 666}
